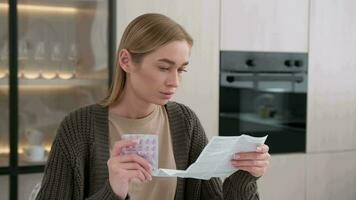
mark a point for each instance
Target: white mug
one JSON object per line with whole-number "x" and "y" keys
{"x": 34, "y": 153}
{"x": 34, "y": 136}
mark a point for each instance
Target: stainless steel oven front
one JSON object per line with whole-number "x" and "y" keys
{"x": 265, "y": 93}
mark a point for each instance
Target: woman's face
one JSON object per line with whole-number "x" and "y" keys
{"x": 156, "y": 78}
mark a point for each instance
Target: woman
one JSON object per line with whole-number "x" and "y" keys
{"x": 86, "y": 161}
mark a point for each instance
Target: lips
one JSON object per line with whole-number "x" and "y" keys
{"x": 167, "y": 95}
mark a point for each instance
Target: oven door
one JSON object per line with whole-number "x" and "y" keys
{"x": 265, "y": 104}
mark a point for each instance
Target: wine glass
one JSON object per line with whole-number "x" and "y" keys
{"x": 39, "y": 58}
{"x": 50, "y": 71}
{"x": 32, "y": 70}
{"x": 68, "y": 67}
{"x": 22, "y": 57}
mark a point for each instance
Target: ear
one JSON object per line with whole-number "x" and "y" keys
{"x": 124, "y": 60}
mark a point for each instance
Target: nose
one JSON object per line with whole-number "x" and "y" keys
{"x": 173, "y": 79}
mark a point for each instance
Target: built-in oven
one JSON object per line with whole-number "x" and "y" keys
{"x": 264, "y": 93}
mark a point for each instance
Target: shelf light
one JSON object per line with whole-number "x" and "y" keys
{"x": 4, "y": 150}
{"x": 38, "y": 8}
{"x": 48, "y": 75}
{"x": 66, "y": 76}
{"x": 3, "y": 75}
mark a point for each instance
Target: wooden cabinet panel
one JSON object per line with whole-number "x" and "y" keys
{"x": 331, "y": 176}
{"x": 284, "y": 179}
{"x": 269, "y": 25}
{"x": 332, "y": 82}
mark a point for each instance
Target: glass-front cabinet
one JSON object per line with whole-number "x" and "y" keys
{"x": 62, "y": 65}
{"x": 65, "y": 52}
{"x": 4, "y": 85}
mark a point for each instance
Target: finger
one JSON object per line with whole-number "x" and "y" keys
{"x": 136, "y": 166}
{"x": 143, "y": 174}
{"x": 115, "y": 164}
{"x": 251, "y": 156}
{"x": 136, "y": 174}
{"x": 131, "y": 166}
{"x": 255, "y": 163}
{"x": 116, "y": 149}
{"x": 135, "y": 158}
{"x": 262, "y": 148}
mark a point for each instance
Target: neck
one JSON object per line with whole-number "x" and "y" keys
{"x": 130, "y": 106}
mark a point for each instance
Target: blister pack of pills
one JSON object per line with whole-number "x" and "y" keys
{"x": 146, "y": 148}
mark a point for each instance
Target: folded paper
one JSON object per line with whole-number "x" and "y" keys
{"x": 215, "y": 159}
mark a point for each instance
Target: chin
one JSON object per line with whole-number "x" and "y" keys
{"x": 161, "y": 102}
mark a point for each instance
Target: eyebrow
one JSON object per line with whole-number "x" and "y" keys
{"x": 171, "y": 62}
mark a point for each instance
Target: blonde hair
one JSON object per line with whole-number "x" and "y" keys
{"x": 143, "y": 35}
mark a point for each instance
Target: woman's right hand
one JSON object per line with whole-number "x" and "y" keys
{"x": 123, "y": 168}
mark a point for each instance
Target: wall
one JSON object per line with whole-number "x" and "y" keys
{"x": 199, "y": 88}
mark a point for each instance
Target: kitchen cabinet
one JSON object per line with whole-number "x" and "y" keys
{"x": 285, "y": 178}
{"x": 55, "y": 56}
{"x": 332, "y": 83}
{"x": 269, "y": 25}
{"x": 4, "y": 85}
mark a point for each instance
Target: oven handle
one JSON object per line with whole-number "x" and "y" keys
{"x": 232, "y": 78}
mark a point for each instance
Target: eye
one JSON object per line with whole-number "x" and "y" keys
{"x": 163, "y": 69}
{"x": 181, "y": 70}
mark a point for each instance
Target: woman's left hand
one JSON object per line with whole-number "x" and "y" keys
{"x": 255, "y": 162}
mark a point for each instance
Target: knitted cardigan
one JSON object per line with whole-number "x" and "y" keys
{"x": 77, "y": 164}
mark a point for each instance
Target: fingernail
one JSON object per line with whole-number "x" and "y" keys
{"x": 237, "y": 156}
{"x": 259, "y": 149}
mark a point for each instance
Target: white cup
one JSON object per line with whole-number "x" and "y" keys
{"x": 34, "y": 137}
{"x": 34, "y": 153}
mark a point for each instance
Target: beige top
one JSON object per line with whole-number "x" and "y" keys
{"x": 155, "y": 123}
{"x": 68, "y": 163}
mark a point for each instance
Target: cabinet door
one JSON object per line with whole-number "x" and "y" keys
{"x": 62, "y": 65}
{"x": 269, "y": 25}
{"x": 332, "y": 83}
{"x": 284, "y": 179}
